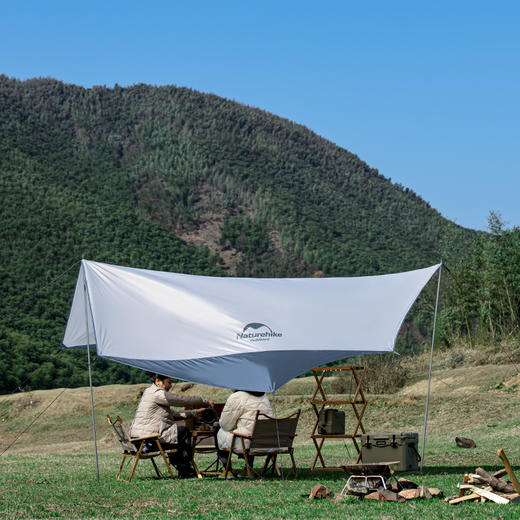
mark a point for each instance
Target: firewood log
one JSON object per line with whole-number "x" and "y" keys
{"x": 496, "y": 483}
{"x": 465, "y": 498}
{"x": 490, "y": 496}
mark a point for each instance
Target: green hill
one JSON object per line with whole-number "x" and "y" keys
{"x": 172, "y": 179}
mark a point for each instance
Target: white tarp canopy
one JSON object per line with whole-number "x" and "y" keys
{"x": 243, "y": 333}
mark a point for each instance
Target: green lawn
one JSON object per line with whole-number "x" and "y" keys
{"x": 53, "y": 486}
{"x": 482, "y": 403}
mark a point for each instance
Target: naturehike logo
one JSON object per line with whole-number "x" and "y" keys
{"x": 258, "y": 332}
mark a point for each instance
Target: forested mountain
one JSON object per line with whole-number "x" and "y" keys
{"x": 172, "y": 179}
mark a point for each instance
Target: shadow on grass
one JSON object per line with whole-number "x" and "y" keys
{"x": 449, "y": 470}
{"x": 305, "y": 474}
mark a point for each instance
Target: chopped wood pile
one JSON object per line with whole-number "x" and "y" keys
{"x": 400, "y": 491}
{"x": 484, "y": 487}
{"x": 480, "y": 486}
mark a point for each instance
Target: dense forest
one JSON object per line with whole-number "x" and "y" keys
{"x": 172, "y": 179}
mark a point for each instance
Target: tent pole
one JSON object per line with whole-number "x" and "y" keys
{"x": 278, "y": 437}
{"x": 430, "y": 368}
{"x": 90, "y": 384}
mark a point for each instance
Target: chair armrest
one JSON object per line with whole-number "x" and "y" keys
{"x": 243, "y": 435}
{"x": 133, "y": 439}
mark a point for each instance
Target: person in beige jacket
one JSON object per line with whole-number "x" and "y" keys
{"x": 239, "y": 415}
{"x": 154, "y": 416}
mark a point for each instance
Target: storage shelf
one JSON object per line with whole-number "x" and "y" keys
{"x": 355, "y": 406}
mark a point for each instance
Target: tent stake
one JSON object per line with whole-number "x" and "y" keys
{"x": 90, "y": 384}
{"x": 430, "y": 369}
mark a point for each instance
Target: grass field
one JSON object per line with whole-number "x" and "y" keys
{"x": 36, "y": 481}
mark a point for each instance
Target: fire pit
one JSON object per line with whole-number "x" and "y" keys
{"x": 368, "y": 477}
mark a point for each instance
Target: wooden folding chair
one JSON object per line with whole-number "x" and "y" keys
{"x": 133, "y": 449}
{"x": 271, "y": 437}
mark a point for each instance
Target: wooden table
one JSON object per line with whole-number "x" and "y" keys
{"x": 203, "y": 441}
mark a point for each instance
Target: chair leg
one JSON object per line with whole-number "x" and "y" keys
{"x": 126, "y": 458}
{"x": 156, "y": 468}
{"x": 137, "y": 457}
{"x": 266, "y": 465}
{"x": 228, "y": 463}
{"x": 135, "y": 466}
{"x": 275, "y": 466}
{"x": 166, "y": 461}
{"x": 196, "y": 468}
{"x": 230, "y": 453}
{"x": 123, "y": 460}
{"x": 246, "y": 458}
{"x": 293, "y": 464}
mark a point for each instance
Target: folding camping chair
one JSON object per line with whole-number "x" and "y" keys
{"x": 133, "y": 449}
{"x": 271, "y": 437}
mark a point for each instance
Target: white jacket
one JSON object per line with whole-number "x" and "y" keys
{"x": 239, "y": 415}
{"x": 154, "y": 415}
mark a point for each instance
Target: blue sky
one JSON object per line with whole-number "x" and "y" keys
{"x": 426, "y": 92}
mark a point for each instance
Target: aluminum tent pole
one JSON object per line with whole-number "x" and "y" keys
{"x": 278, "y": 437}
{"x": 430, "y": 369}
{"x": 90, "y": 383}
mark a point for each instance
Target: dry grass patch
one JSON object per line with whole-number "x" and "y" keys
{"x": 464, "y": 401}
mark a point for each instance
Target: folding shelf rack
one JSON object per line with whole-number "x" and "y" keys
{"x": 356, "y": 405}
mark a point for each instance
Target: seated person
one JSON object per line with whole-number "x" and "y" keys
{"x": 239, "y": 415}
{"x": 154, "y": 416}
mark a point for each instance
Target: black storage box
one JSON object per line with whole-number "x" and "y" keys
{"x": 331, "y": 422}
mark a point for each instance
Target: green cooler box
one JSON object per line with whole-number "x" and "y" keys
{"x": 388, "y": 447}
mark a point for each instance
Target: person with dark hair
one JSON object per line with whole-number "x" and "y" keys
{"x": 239, "y": 415}
{"x": 154, "y": 416}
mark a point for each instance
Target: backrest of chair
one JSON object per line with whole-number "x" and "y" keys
{"x": 121, "y": 434}
{"x": 270, "y": 432}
